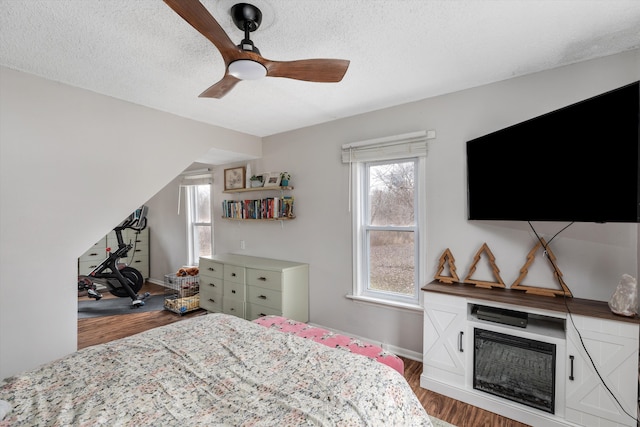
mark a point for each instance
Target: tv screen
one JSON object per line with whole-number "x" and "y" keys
{"x": 578, "y": 163}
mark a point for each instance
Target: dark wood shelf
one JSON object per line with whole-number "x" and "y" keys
{"x": 583, "y": 307}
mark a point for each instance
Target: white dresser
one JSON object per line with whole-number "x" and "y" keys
{"x": 138, "y": 255}
{"x": 251, "y": 287}
{"x": 92, "y": 257}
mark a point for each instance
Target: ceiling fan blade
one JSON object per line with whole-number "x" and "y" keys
{"x": 221, "y": 88}
{"x": 199, "y": 18}
{"x": 310, "y": 70}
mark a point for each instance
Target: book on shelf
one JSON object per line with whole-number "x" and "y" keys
{"x": 267, "y": 208}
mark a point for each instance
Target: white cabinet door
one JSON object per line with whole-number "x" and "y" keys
{"x": 613, "y": 347}
{"x": 445, "y": 341}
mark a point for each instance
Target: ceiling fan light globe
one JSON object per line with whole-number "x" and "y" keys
{"x": 246, "y": 69}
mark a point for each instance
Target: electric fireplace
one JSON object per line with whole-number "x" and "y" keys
{"x": 515, "y": 368}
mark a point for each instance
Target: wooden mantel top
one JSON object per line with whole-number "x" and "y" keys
{"x": 584, "y": 307}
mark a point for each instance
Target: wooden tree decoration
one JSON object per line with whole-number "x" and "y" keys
{"x": 556, "y": 272}
{"x": 494, "y": 267}
{"x": 450, "y": 260}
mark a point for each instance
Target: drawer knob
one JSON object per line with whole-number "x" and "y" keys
{"x": 212, "y": 284}
{"x": 211, "y": 269}
{"x": 262, "y": 297}
{"x": 233, "y": 291}
{"x": 264, "y": 279}
{"x": 93, "y": 254}
{"x": 261, "y": 315}
{"x": 212, "y": 300}
{"x": 233, "y": 274}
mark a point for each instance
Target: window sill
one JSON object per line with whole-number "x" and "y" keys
{"x": 393, "y": 304}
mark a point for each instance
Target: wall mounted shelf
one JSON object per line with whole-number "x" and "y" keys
{"x": 266, "y": 208}
{"x": 247, "y": 190}
{"x": 284, "y": 218}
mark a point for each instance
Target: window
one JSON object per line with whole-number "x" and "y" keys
{"x": 389, "y": 229}
{"x": 199, "y": 222}
{"x": 387, "y": 205}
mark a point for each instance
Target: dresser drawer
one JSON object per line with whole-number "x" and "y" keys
{"x": 95, "y": 254}
{"x": 211, "y": 302}
{"x": 138, "y": 258}
{"x": 233, "y": 273}
{"x": 211, "y": 268}
{"x": 234, "y": 290}
{"x": 136, "y": 238}
{"x": 86, "y": 267}
{"x": 255, "y": 310}
{"x": 138, "y": 252}
{"x": 211, "y": 285}
{"x": 233, "y": 306}
{"x": 211, "y": 294}
{"x": 265, "y": 279}
{"x": 265, "y": 297}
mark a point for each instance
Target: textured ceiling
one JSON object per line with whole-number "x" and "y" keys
{"x": 400, "y": 51}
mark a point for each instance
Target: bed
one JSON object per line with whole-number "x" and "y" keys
{"x": 215, "y": 369}
{"x": 332, "y": 339}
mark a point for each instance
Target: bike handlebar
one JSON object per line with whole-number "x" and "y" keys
{"x": 136, "y": 221}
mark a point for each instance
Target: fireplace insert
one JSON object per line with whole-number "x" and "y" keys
{"x": 515, "y": 368}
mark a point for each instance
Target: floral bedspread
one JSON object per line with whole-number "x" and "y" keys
{"x": 211, "y": 370}
{"x": 332, "y": 339}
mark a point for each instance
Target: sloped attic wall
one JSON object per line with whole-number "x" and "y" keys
{"x": 73, "y": 164}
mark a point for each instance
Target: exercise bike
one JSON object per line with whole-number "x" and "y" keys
{"x": 121, "y": 280}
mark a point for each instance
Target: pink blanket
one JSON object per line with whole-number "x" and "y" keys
{"x": 332, "y": 339}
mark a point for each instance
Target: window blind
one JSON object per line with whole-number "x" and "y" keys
{"x": 386, "y": 148}
{"x": 413, "y": 144}
{"x": 196, "y": 177}
{"x": 193, "y": 177}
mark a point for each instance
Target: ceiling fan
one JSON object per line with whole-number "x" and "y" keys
{"x": 244, "y": 62}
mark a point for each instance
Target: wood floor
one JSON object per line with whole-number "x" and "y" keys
{"x": 103, "y": 329}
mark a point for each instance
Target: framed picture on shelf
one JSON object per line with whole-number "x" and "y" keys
{"x": 234, "y": 178}
{"x": 272, "y": 179}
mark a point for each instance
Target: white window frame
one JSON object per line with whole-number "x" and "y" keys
{"x": 191, "y": 204}
{"x": 360, "y": 155}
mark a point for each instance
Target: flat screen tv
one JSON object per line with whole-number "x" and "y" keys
{"x": 578, "y": 163}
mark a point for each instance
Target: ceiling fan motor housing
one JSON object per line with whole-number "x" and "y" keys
{"x": 247, "y": 18}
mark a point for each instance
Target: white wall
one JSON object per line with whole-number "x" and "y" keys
{"x": 73, "y": 164}
{"x": 592, "y": 257}
{"x": 72, "y": 193}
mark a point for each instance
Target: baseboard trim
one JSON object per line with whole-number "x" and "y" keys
{"x": 398, "y": 351}
{"x": 155, "y": 281}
